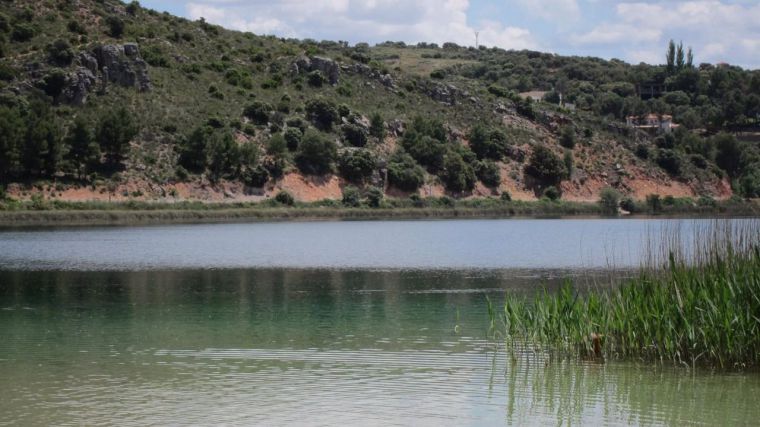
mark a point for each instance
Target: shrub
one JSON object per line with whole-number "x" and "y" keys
{"x": 258, "y": 112}
{"x": 277, "y": 146}
{"x": 425, "y": 141}
{"x": 642, "y": 151}
{"x": 316, "y": 78}
{"x": 457, "y": 175}
{"x": 357, "y": 165}
{"x": 404, "y": 173}
{"x": 670, "y": 161}
{"x": 377, "y": 126}
{"x": 546, "y": 166}
{"x": 60, "y": 53}
{"x": 192, "y": 150}
{"x": 257, "y": 176}
{"x": 654, "y": 203}
{"x": 551, "y": 193}
{"x": 498, "y": 91}
{"x": 351, "y": 197}
{"x": 438, "y": 74}
{"x": 374, "y": 197}
{"x": 285, "y": 198}
{"x": 354, "y": 134}
{"x": 567, "y": 137}
{"x": 609, "y": 199}
{"x": 628, "y": 205}
{"x": 23, "y": 32}
{"x": 487, "y": 144}
{"x": 488, "y": 173}
{"x": 322, "y": 113}
{"x": 316, "y": 154}
{"x": 293, "y": 138}
{"x": 505, "y": 197}
{"x": 115, "y": 26}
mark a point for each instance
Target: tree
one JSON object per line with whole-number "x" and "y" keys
{"x": 12, "y": 132}
{"x": 487, "y": 144}
{"x": 322, "y": 113}
{"x": 222, "y": 155}
{"x": 567, "y": 137}
{"x": 374, "y": 197}
{"x": 293, "y": 138}
{"x": 690, "y": 58}
{"x": 42, "y": 150}
{"x": 457, "y": 174}
{"x": 728, "y": 153}
{"x": 351, "y": 197}
{"x": 609, "y": 199}
{"x": 357, "y": 165}
{"x": 114, "y": 132}
{"x": 258, "y": 112}
{"x": 680, "y": 61}
{"x": 277, "y": 145}
{"x": 192, "y": 149}
{"x": 84, "y": 152}
{"x": 425, "y": 141}
{"x": 354, "y": 135}
{"x": 488, "y": 173}
{"x": 546, "y": 166}
{"x": 377, "y": 126}
{"x": 670, "y": 57}
{"x": 317, "y": 154}
{"x": 115, "y": 26}
{"x": 404, "y": 173}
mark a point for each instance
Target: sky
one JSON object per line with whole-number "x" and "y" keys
{"x": 632, "y": 30}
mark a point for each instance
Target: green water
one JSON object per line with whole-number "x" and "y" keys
{"x": 314, "y": 347}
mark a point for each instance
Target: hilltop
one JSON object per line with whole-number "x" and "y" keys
{"x": 101, "y": 100}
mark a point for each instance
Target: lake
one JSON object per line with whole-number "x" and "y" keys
{"x": 322, "y": 323}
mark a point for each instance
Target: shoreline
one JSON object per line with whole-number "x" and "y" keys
{"x": 125, "y": 214}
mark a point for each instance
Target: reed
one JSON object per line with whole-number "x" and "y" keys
{"x": 695, "y": 301}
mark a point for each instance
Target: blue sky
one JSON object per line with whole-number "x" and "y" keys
{"x": 632, "y": 30}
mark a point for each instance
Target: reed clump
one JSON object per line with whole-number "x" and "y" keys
{"x": 701, "y": 306}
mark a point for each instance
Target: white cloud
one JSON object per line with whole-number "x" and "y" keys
{"x": 436, "y": 21}
{"x": 713, "y": 28}
{"x": 556, "y": 11}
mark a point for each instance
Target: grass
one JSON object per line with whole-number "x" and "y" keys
{"x": 59, "y": 212}
{"x": 702, "y": 307}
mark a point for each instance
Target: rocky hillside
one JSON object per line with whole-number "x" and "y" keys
{"x": 101, "y": 100}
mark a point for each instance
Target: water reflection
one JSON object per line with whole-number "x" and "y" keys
{"x": 312, "y": 347}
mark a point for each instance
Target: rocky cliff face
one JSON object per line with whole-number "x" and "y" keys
{"x": 106, "y": 64}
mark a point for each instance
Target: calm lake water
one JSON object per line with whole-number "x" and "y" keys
{"x": 323, "y": 323}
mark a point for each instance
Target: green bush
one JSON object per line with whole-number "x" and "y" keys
{"x": 546, "y": 166}
{"x": 354, "y": 134}
{"x": 351, "y": 197}
{"x": 293, "y": 138}
{"x": 609, "y": 199}
{"x": 377, "y": 126}
{"x": 60, "y": 53}
{"x": 317, "y": 154}
{"x": 487, "y": 144}
{"x": 374, "y": 197}
{"x": 284, "y": 198}
{"x": 322, "y": 113}
{"x": 629, "y": 205}
{"x": 357, "y": 165}
{"x": 258, "y": 112}
{"x": 277, "y": 146}
{"x": 670, "y": 161}
{"x": 23, "y": 32}
{"x": 425, "y": 141}
{"x": 567, "y": 137}
{"x": 457, "y": 175}
{"x": 115, "y": 26}
{"x": 552, "y": 193}
{"x": 115, "y": 130}
{"x": 654, "y": 203}
{"x": 488, "y": 173}
{"x": 505, "y": 197}
{"x": 404, "y": 173}
{"x": 316, "y": 78}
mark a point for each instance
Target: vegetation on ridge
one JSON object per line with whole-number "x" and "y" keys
{"x": 199, "y": 106}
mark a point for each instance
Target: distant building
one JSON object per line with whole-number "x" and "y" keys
{"x": 535, "y": 95}
{"x": 652, "y": 123}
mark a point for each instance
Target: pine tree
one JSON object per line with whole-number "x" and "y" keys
{"x": 84, "y": 152}
{"x": 115, "y": 130}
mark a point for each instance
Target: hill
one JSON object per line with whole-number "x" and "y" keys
{"x": 101, "y": 100}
